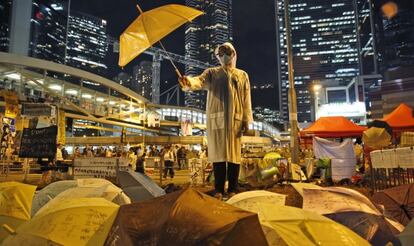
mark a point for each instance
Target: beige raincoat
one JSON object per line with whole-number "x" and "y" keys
{"x": 228, "y": 104}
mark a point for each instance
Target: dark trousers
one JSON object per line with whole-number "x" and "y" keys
{"x": 169, "y": 169}
{"x": 220, "y": 170}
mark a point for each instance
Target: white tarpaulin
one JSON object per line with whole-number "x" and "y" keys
{"x": 342, "y": 156}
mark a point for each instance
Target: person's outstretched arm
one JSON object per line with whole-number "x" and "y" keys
{"x": 201, "y": 82}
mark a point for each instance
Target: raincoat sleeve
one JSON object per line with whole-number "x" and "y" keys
{"x": 201, "y": 82}
{"x": 247, "y": 102}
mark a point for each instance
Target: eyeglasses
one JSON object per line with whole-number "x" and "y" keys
{"x": 224, "y": 49}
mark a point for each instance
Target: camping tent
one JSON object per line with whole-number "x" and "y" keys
{"x": 333, "y": 127}
{"x": 401, "y": 119}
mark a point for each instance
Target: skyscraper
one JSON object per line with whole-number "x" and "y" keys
{"x": 202, "y": 36}
{"x": 142, "y": 79}
{"x": 5, "y": 11}
{"x": 49, "y": 30}
{"x": 324, "y": 47}
{"x": 87, "y": 43}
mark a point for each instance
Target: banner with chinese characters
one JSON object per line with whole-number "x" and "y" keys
{"x": 12, "y": 104}
{"x": 61, "y": 127}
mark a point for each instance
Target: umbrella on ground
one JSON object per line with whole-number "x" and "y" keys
{"x": 81, "y": 221}
{"x": 373, "y": 228}
{"x": 138, "y": 186}
{"x": 245, "y": 199}
{"x": 52, "y": 190}
{"x": 407, "y": 236}
{"x": 186, "y": 217}
{"x": 398, "y": 202}
{"x": 150, "y": 27}
{"x": 109, "y": 192}
{"x": 352, "y": 209}
{"x": 300, "y": 227}
{"x": 380, "y": 124}
{"x": 15, "y": 205}
{"x": 376, "y": 138}
{"x": 300, "y": 186}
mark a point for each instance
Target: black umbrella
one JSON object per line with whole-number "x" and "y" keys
{"x": 380, "y": 124}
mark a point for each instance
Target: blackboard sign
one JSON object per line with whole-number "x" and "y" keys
{"x": 38, "y": 143}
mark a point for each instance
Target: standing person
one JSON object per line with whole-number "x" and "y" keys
{"x": 228, "y": 115}
{"x": 168, "y": 161}
{"x": 181, "y": 156}
{"x": 140, "y": 162}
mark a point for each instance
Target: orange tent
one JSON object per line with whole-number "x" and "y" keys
{"x": 333, "y": 127}
{"x": 401, "y": 118}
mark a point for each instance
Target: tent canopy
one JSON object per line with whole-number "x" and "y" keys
{"x": 333, "y": 127}
{"x": 401, "y": 117}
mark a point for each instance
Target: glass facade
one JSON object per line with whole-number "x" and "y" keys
{"x": 202, "y": 36}
{"x": 142, "y": 79}
{"x": 49, "y": 30}
{"x": 324, "y": 47}
{"x": 87, "y": 43}
{"x": 5, "y": 11}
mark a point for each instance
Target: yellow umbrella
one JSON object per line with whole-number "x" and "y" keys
{"x": 272, "y": 155}
{"x": 376, "y": 137}
{"x": 15, "y": 205}
{"x": 150, "y": 27}
{"x": 300, "y": 227}
{"x": 109, "y": 192}
{"x": 81, "y": 221}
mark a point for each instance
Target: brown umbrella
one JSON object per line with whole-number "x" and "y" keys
{"x": 185, "y": 217}
{"x": 398, "y": 202}
{"x": 373, "y": 228}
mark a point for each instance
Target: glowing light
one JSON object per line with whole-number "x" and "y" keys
{"x": 55, "y": 87}
{"x": 100, "y": 99}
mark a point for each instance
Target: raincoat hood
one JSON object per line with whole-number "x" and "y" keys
{"x": 233, "y": 61}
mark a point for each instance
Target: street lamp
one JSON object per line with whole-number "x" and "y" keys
{"x": 316, "y": 88}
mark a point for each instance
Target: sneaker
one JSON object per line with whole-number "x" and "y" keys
{"x": 219, "y": 196}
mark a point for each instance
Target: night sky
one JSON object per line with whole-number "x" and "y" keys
{"x": 253, "y": 32}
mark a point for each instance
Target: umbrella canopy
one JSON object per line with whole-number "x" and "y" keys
{"x": 109, "y": 192}
{"x": 272, "y": 155}
{"x": 52, "y": 190}
{"x": 81, "y": 221}
{"x": 245, "y": 199}
{"x": 138, "y": 186}
{"x": 15, "y": 205}
{"x": 373, "y": 228}
{"x": 407, "y": 236}
{"x": 376, "y": 138}
{"x": 329, "y": 200}
{"x": 398, "y": 202}
{"x": 300, "y": 227}
{"x": 150, "y": 27}
{"x": 380, "y": 124}
{"x": 300, "y": 186}
{"x": 185, "y": 217}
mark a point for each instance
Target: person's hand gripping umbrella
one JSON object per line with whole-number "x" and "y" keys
{"x": 150, "y": 27}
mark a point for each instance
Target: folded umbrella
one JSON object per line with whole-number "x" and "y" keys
{"x": 186, "y": 217}
{"x": 81, "y": 221}
{"x": 15, "y": 205}
{"x": 398, "y": 202}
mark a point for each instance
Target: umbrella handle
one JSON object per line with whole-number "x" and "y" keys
{"x": 9, "y": 229}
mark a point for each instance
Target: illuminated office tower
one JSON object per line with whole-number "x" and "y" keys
{"x": 142, "y": 79}
{"x": 5, "y": 11}
{"x": 49, "y": 30}
{"x": 87, "y": 43}
{"x": 202, "y": 35}
{"x": 324, "y": 48}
